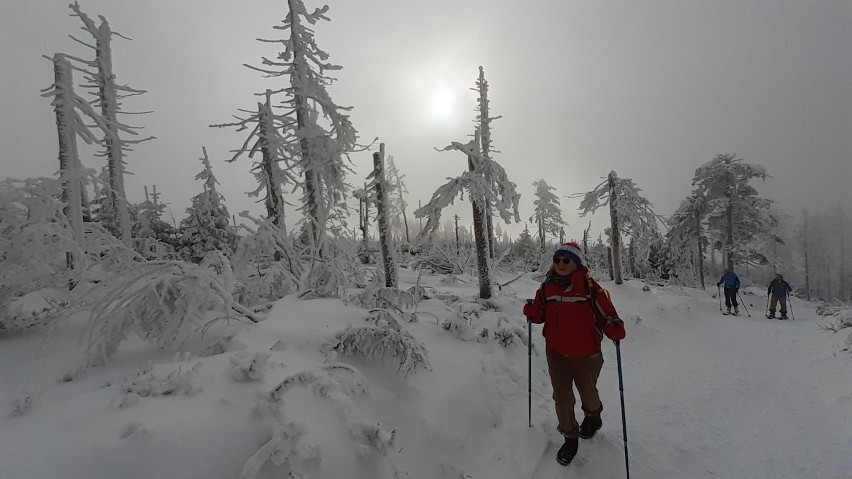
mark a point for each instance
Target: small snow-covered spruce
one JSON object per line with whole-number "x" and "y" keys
{"x": 108, "y": 96}
{"x": 548, "y": 215}
{"x": 207, "y": 224}
{"x": 524, "y": 253}
{"x": 629, "y": 213}
{"x": 382, "y": 342}
{"x": 153, "y": 238}
{"x": 735, "y": 213}
{"x": 162, "y": 302}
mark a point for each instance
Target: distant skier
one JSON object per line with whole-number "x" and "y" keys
{"x": 778, "y": 290}
{"x": 732, "y": 286}
{"x": 573, "y": 331}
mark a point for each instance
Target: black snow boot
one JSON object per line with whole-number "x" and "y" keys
{"x": 591, "y": 425}
{"x": 567, "y": 451}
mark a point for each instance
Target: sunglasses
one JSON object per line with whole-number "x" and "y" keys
{"x": 562, "y": 260}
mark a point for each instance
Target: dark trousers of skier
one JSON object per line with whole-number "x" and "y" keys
{"x": 773, "y": 302}
{"x": 731, "y": 299}
{"x": 583, "y": 373}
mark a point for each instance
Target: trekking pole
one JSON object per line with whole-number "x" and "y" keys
{"x": 790, "y": 302}
{"x": 529, "y": 369}
{"x": 743, "y": 303}
{"x": 719, "y": 289}
{"x": 767, "y": 305}
{"x": 623, "y": 417}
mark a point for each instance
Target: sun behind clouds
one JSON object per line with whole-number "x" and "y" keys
{"x": 442, "y": 105}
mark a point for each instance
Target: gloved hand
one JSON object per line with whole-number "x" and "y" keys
{"x": 614, "y": 329}
{"x": 528, "y": 308}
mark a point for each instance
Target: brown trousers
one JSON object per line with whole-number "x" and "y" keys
{"x": 774, "y": 301}
{"x": 566, "y": 372}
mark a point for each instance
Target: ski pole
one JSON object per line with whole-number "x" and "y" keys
{"x": 743, "y": 303}
{"x": 623, "y": 417}
{"x": 790, "y": 303}
{"x": 529, "y": 369}
{"x": 767, "y": 305}
{"x": 719, "y": 289}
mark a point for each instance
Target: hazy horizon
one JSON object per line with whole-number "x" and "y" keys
{"x": 650, "y": 90}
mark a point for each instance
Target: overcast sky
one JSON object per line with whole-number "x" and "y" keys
{"x": 650, "y": 89}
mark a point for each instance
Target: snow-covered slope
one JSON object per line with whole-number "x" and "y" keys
{"x": 706, "y": 396}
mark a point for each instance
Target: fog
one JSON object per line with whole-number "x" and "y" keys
{"x": 649, "y": 89}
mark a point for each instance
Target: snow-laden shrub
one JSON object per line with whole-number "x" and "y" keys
{"x": 284, "y": 449}
{"x": 338, "y": 384}
{"x": 174, "y": 382}
{"x": 382, "y": 342}
{"x": 327, "y": 278}
{"x": 266, "y": 265}
{"x": 460, "y": 325}
{"x": 384, "y": 298}
{"x": 371, "y": 438}
{"x": 264, "y": 286}
{"x": 329, "y": 381}
{"x": 248, "y": 366}
{"x": 32, "y": 309}
{"x": 162, "y": 302}
{"x": 504, "y": 333}
{"x": 35, "y": 238}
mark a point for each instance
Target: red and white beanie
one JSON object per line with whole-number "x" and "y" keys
{"x": 570, "y": 250}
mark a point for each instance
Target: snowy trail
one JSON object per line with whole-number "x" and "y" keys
{"x": 761, "y": 380}
{"x": 702, "y": 389}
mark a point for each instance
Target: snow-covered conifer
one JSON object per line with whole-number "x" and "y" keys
{"x": 483, "y": 121}
{"x": 207, "y": 224}
{"x": 379, "y": 184}
{"x": 475, "y": 183}
{"x": 629, "y": 213}
{"x": 153, "y": 238}
{"x": 525, "y": 252}
{"x": 734, "y": 209}
{"x": 320, "y": 146}
{"x": 547, "y": 215}
{"x": 685, "y": 238}
{"x": 397, "y": 205}
{"x": 109, "y": 96}
{"x": 271, "y": 134}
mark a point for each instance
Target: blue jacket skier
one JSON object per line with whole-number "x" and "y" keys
{"x": 732, "y": 286}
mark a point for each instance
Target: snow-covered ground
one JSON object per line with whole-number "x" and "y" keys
{"x": 707, "y": 396}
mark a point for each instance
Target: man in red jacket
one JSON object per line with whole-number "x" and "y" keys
{"x": 576, "y": 313}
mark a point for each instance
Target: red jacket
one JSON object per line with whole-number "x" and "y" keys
{"x": 571, "y": 327}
